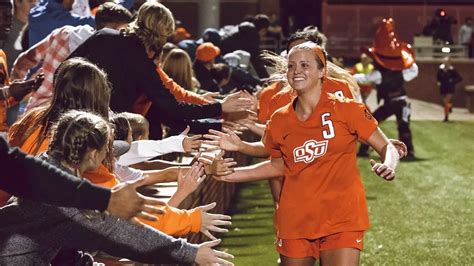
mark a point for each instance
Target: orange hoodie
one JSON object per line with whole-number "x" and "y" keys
{"x": 173, "y": 222}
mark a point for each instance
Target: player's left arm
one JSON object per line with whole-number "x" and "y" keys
{"x": 388, "y": 153}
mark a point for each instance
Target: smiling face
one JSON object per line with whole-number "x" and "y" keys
{"x": 304, "y": 72}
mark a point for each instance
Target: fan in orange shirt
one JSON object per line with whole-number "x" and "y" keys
{"x": 322, "y": 212}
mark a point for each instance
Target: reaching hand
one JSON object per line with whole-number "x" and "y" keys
{"x": 208, "y": 256}
{"x": 235, "y": 103}
{"x": 188, "y": 183}
{"x": 400, "y": 146}
{"x": 234, "y": 126}
{"x": 210, "y": 221}
{"x": 125, "y": 202}
{"x": 210, "y": 96}
{"x": 191, "y": 144}
{"x": 19, "y": 89}
{"x": 219, "y": 166}
{"x": 383, "y": 170}
{"x": 252, "y": 98}
{"x": 228, "y": 141}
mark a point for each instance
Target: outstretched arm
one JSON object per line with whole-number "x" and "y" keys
{"x": 229, "y": 141}
{"x": 261, "y": 171}
{"x": 388, "y": 153}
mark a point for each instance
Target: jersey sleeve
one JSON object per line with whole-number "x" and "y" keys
{"x": 269, "y": 140}
{"x": 264, "y": 103}
{"x": 359, "y": 120}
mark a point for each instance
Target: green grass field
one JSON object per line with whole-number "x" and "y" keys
{"x": 424, "y": 217}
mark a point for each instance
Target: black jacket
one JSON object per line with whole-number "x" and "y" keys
{"x": 133, "y": 74}
{"x": 31, "y": 178}
{"x": 244, "y": 37}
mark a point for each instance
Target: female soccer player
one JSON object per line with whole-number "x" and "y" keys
{"x": 322, "y": 212}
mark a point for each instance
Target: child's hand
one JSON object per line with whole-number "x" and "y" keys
{"x": 191, "y": 144}
{"x": 188, "y": 183}
{"x": 226, "y": 140}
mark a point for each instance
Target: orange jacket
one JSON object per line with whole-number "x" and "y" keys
{"x": 174, "y": 221}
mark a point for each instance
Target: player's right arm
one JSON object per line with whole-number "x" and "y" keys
{"x": 261, "y": 171}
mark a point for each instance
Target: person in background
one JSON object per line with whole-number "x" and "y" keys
{"x": 221, "y": 73}
{"x": 394, "y": 63}
{"x": 205, "y": 59}
{"x": 209, "y": 35}
{"x": 167, "y": 48}
{"x": 49, "y": 15}
{"x": 246, "y": 36}
{"x": 241, "y": 78}
{"x": 12, "y": 44}
{"x": 180, "y": 34}
{"x": 465, "y": 35}
{"x": 178, "y": 66}
{"x": 447, "y": 78}
{"x": 58, "y": 45}
{"x": 14, "y": 92}
{"x": 133, "y": 75}
{"x": 365, "y": 66}
{"x": 274, "y": 29}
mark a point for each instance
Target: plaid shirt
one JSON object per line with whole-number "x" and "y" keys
{"x": 51, "y": 52}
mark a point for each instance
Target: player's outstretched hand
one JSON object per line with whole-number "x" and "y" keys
{"x": 383, "y": 170}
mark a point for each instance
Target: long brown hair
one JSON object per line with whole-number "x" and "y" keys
{"x": 78, "y": 84}
{"x": 178, "y": 66}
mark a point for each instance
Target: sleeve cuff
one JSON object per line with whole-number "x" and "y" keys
{"x": 195, "y": 217}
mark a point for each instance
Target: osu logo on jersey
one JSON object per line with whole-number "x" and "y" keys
{"x": 310, "y": 150}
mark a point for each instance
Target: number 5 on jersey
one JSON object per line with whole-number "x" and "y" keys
{"x": 325, "y": 121}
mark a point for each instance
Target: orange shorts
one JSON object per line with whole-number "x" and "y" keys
{"x": 301, "y": 248}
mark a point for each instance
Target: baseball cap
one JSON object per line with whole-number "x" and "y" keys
{"x": 183, "y": 33}
{"x": 207, "y": 51}
{"x": 120, "y": 147}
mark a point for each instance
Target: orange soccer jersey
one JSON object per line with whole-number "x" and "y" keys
{"x": 322, "y": 192}
{"x": 265, "y": 100}
{"x": 285, "y": 96}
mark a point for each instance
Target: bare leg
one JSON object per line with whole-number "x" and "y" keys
{"x": 342, "y": 256}
{"x": 307, "y": 261}
{"x": 447, "y": 105}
